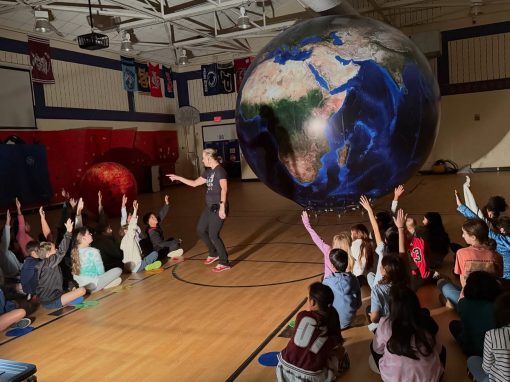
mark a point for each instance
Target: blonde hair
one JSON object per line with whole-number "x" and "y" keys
{"x": 343, "y": 241}
{"x": 211, "y": 153}
{"x": 44, "y": 248}
{"x": 75, "y": 252}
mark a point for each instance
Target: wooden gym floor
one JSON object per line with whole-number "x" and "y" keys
{"x": 186, "y": 323}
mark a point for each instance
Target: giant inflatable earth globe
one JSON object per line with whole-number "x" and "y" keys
{"x": 336, "y": 107}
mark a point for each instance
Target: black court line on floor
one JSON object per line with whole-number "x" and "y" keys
{"x": 263, "y": 344}
{"x": 76, "y": 309}
{"x": 177, "y": 277}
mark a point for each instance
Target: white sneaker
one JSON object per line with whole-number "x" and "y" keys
{"x": 114, "y": 283}
{"x": 176, "y": 253}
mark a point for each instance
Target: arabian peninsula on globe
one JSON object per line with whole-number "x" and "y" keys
{"x": 336, "y": 107}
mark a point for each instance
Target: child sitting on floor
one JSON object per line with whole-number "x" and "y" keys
{"x": 479, "y": 256}
{"x": 131, "y": 247}
{"x": 28, "y": 276}
{"x": 10, "y": 315}
{"x": 476, "y": 311}
{"x": 49, "y": 286}
{"x": 405, "y": 346}
{"x": 495, "y": 365}
{"x": 394, "y": 274}
{"x": 87, "y": 265}
{"x": 9, "y": 264}
{"x": 345, "y": 287}
{"x": 315, "y": 351}
{"x": 170, "y": 247}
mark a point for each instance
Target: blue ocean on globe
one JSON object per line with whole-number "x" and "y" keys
{"x": 336, "y": 107}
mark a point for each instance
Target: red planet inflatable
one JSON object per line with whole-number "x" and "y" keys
{"x": 113, "y": 180}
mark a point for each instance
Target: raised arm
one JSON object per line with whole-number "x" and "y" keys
{"x": 65, "y": 207}
{"x": 397, "y": 193}
{"x": 21, "y": 218}
{"x": 102, "y": 218}
{"x": 469, "y": 198}
{"x": 164, "y": 210}
{"x": 63, "y": 246}
{"x": 400, "y": 221}
{"x": 463, "y": 209}
{"x": 123, "y": 210}
{"x": 131, "y": 232}
{"x": 366, "y": 205}
{"x": 44, "y": 224}
{"x": 223, "y": 198}
{"x": 189, "y": 182}
{"x": 78, "y": 222}
{"x": 315, "y": 237}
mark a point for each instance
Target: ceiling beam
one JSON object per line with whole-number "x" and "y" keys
{"x": 239, "y": 33}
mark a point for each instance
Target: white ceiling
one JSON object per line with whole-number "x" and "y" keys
{"x": 207, "y": 28}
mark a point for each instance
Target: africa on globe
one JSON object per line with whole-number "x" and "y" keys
{"x": 336, "y": 107}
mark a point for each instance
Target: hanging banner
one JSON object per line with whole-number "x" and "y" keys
{"x": 226, "y": 78}
{"x": 40, "y": 59}
{"x": 142, "y": 75}
{"x": 241, "y": 65}
{"x": 155, "y": 82}
{"x": 128, "y": 74}
{"x": 210, "y": 80}
{"x": 168, "y": 81}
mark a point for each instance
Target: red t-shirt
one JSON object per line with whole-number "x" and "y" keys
{"x": 418, "y": 254}
{"x": 310, "y": 344}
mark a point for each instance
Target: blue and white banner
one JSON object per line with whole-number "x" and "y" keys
{"x": 129, "y": 74}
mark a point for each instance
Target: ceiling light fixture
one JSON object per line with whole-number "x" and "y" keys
{"x": 126, "y": 45}
{"x": 42, "y": 22}
{"x": 183, "y": 58}
{"x": 243, "y": 21}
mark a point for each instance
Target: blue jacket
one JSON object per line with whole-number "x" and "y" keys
{"x": 28, "y": 275}
{"x": 345, "y": 287}
{"x": 502, "y": 241}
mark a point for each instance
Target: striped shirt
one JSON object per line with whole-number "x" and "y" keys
{"x": 496, "y": 354}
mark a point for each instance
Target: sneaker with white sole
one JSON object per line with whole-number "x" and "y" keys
{"x": 114, "y": 283}
{"x": 23, "y": 323}
{"x": 176, "y": 253}
{"x": 211, "y": 259}
{"x": 220, "y": 268}
{"x": 152, "y": 266}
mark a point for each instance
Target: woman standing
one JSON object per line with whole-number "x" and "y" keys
{"x": 215, "y": 212}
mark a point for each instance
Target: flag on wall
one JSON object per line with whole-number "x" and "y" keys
{"x": 40, "y": 59}
{"x": 169, "y": 81}
{"x": 155, "y": 82}
{"x": 210, "y": 80}
{"x": 142, "y": 74}
{"x": 129, "y": 74}
{"x": 241, "y": 65}
{"x": 226, "y": 77}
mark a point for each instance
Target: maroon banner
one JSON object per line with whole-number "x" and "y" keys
{"x": 40, "y": 59}
{"x": 241, "y": 65}
{"x": 155, "y": 81}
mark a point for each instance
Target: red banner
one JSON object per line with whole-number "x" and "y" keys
{"x": 40, "y": 59}
{"x": 155, "y": 81}
{"x": 241, "y": 65}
